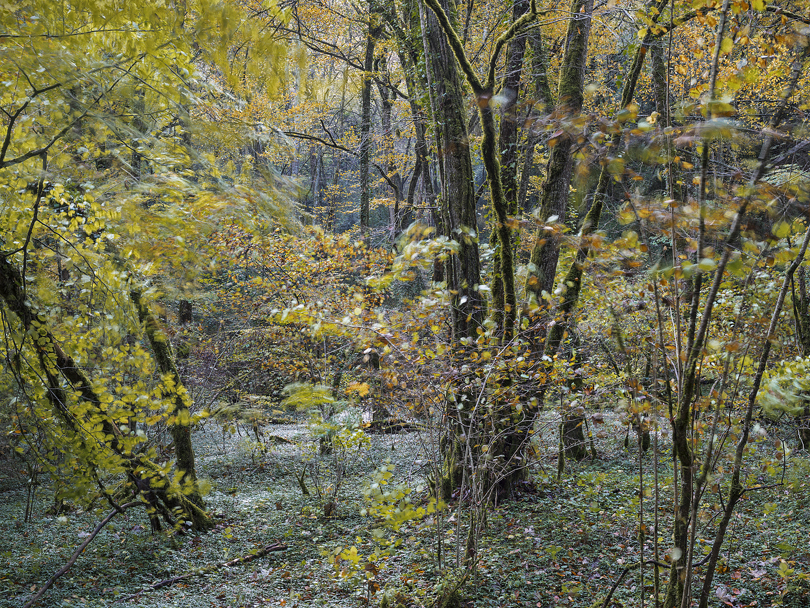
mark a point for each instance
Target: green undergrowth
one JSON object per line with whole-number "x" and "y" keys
{"x": 556, "y": 544}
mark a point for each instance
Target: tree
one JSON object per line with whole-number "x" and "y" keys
{"x": 374, "y": 32}
{"x": 463, "y": 272}
{"x": 554, "y": 193}
{"x": 94, "y": 170}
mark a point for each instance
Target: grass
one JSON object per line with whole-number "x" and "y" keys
{"x": 557, "y": 544}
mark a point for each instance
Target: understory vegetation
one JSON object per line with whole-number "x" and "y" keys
{"x": 560, "y": 542}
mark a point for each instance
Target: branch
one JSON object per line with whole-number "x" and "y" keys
{"x": 606, "y": 603}
{"x": 44, "y": 149}
{"x": 40, "y": 190}
{"x": 515, "y": 29}
{"x": 333, "y": 144}
{"x": 794, "y": 150}
{"x": 661, "y": 30}
{"x": 10, "y": 129}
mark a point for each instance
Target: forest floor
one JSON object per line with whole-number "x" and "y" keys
{"x": 557, "y": 544}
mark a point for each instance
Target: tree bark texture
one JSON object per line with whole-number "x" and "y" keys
{"x": 555, "y": 189}
{"x": 146, "y": 477}
{"x": 544, "y": 98}
{"x": 374, "y": 31}
{"x": 463, "y": 270}
{"x": 502, "y": 311}
{"x": 180, "y": 422}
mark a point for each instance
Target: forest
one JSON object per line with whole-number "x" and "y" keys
{"x": 405, "y": 303}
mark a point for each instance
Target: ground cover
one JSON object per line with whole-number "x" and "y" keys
{"x": 559, "y": 543}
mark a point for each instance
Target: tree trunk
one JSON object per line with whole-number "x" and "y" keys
{"x": 542, "y": 98}
{"x": 555, "y": 190}
{"x": 515, "y": 442}
{"x": 573, "y": 433}
{"x": 180, "y": 422}
{"x": 507, "y": 144}
{"x": 184, "y": 312}
{"x": 374, "y": 31}
{"x": 458, "y": 188}
{"x": 388, "y": 155}
{"x": 146, "y": 477}
{"x": 483, "y": 92}
{"x": 801, "y": 313}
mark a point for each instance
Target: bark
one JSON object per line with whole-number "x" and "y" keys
{"x": 515, "y": 441}
{"x": 507, "y": 145}
{"x": 316, "y": 187}
{"x": 458, "y": 188}
{"x": 184, "y": 312}
{"x": 374, "y": 31}
{"x": 407, "y": 31}
{"x": 659, "y": 80}
{"x": 736, "y": 490}
{"x": 544, "y": 99}
{"x": 573, "y": 434}
{"x": 332, "y": 197}
{"x": 573, "y": 423}
{"x": 554, "y": 193}
{"x": 801, "y": 314}
{"x": 418, "y": 85}
{"x": 483, "y": 91}
{"x": 508, "y": 137}
{"x": 399, "y": 215}
{"x": 146, "y": 478}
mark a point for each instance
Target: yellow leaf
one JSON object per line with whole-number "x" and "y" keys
{"x": 361, "y": 388}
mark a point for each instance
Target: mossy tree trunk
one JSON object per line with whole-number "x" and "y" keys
{"x": 555, "y": 190}
{"x": 801, "y": 312}
{"x": 463, "y": 271}
{"x": 573, "y": 423}
{"x": 483, "y": 92}
{"x": 180, "y": 421}
{"x": 515, "y": 442}
{"x": 108, "y": 449}
{"x": 400, "y": 217}
{"x": 374, "y": 32}
{"x": 503, "y": 313}
{"x": 407, "y": 31}
{"x": 543, "y": 100}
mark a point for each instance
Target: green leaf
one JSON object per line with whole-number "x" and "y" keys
{"x": 781, "y": 229}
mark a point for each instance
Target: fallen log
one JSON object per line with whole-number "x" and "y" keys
{"x": 391, "y": 426}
